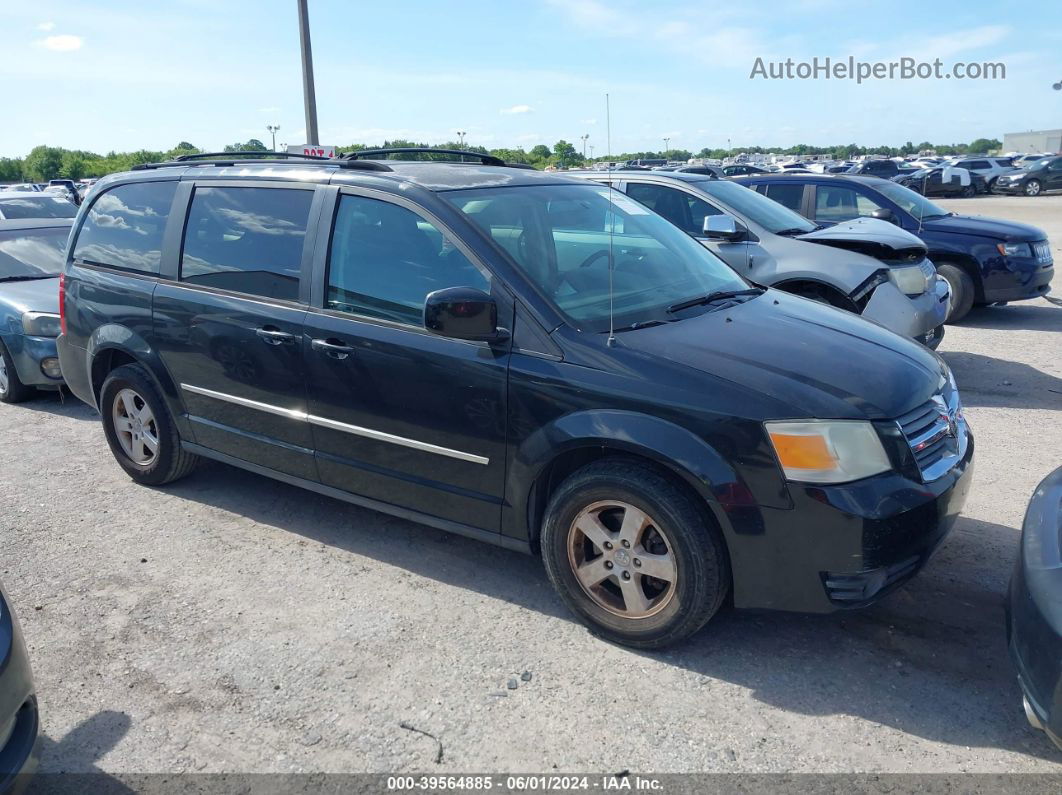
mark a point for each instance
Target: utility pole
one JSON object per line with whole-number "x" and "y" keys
{"x": 273, "y": 131}
{"x": 308, "y": 96}
{"x": 584, "y": 137}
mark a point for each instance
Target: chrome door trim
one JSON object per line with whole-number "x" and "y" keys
{"x": 291, "y": 414}
{"x": 335, "y": 425}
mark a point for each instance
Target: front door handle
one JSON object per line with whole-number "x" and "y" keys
{"x": 337, "y": 350}
{"x": 274, "y": 336}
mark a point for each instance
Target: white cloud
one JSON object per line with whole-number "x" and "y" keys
{"x": 515, "y": 109}
{"x": 62, "y": 43}
{"x": 269, "y": 110}
{"x": 591, "y": 122}
{"x": 46, "y": 26}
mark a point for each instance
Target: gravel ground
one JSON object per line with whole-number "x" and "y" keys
{"x": 230, "y": 623}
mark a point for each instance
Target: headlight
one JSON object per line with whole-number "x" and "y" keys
{"x": 827, "y": 451}
{"x": 910, "y": 280}
{"x": 1014, "y": 249}
{"x": 40, "y": 324}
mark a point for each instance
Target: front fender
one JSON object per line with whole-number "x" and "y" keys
{"x": 113, "y": 337}
{"x": 688, "y": 456}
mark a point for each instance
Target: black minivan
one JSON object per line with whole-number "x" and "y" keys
{"x": 520, "y": 357}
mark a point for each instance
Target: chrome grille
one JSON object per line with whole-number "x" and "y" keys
{"x": 936, "y": 433}
{"x": 1042, "y": 251}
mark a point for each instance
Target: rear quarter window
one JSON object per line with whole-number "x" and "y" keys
{"x": 124, "y": 227}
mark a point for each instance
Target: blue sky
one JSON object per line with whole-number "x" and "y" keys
{"x": 110, "y": 74}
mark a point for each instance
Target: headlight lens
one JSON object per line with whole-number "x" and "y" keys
{"x": 827, "y": 451}
{"x": 1015, "y": 249}
{"x": 40, "y": 324}
{"x": 910, "y": 280}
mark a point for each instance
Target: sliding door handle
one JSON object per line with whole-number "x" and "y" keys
{"x": 337, "y": 350}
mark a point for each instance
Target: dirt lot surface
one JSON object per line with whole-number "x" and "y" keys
{"x": 231, "y": 623}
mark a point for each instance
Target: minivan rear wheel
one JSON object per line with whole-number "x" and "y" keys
{"x": 633, "y": 555}
{"x": 139, "y": 429}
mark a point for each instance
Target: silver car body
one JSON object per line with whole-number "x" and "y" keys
{"x": 848, "y": 259}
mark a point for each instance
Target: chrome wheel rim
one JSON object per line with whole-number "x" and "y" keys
{"x": 5, "y": 382}
{"x": 135, "y": 427}
{"x": 1033, "y": 188}
{"x": 622, "y": 559}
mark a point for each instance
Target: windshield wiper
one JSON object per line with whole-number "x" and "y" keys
{"x": 796, "y": 230}
{"x": 711, "y": 298}
{"x": 28, "y": 278}
{"x": 640, "y": 324}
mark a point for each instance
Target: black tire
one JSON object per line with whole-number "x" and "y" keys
{"x": 969, "y": 191}
{"x": 170, "y": 462}
{"x": 1033, "y": 188}
{"x": 15, "y": 391}
{"x": 702, "y": 569}
{"x": 963, "y": 291}
{"x": 991, "y": 187}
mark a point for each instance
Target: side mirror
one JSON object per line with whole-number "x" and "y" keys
{"x": 884, "y": 214}
{"x": 723, "y": 227}
{"x": 463, "y": 313}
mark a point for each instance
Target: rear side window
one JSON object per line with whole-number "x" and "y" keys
{"x": 385, "y": 260}
{"x": 124, "y": 226}
{"x": 36, "y": 207}
{"x": 248, "y": 240}
{"x": 789, "y": 194}
{"x": 838, "y": 203}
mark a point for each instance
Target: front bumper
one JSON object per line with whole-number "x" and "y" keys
{"x": 18, "y": 705}
{"x": 846, "y": 546}
{"x": 1034, "y": 609}
{"x": 1009, "y": 187}
{"x": 1021, "y": 278}
{"x": 915, "y": 318}
{"x": 29, "y": 355}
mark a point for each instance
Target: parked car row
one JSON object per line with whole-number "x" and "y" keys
{"x": 609, "y": 369}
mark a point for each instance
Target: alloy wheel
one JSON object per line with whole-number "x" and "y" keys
{"x": 135, "y": 427}
{"x": 622, "y": 559}
{"x": 5, "y": 380}
{"x": 1032, "y": 188}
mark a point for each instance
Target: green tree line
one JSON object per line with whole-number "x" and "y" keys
{"x": 50, "y": 162}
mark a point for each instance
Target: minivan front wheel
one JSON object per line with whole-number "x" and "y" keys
{"x": 633, "y": 555}
{"x": 139, "y": 429}
{"x": 12, "y": 390}
{"x": 1033, "y": 187}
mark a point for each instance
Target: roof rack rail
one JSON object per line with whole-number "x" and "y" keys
{"x": 232, "y": 158}
{"x": 370, "y": 154}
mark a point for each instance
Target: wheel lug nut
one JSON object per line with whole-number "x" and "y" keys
{"x": 608, "y": 564}
{"x": 637, "y": 562}
{"x": 608, "y": 545}
{"x": 626, "y": 544}
{"x": 626, "y": 575}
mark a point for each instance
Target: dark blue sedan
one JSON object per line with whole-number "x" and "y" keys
{"x": 31, "y": 257}
{"x": 984, "y": 260}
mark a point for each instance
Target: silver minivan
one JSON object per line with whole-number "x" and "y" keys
{"x": 867, "y": 266}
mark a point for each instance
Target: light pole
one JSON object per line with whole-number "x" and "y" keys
{"x": 308, "y": 95}
{"x": 461, "y": 136}
{"x": 273, "y": 131}
{"x": 584, "y": 137}
{"x": 666, "y": 147}
{"x": 591, "y": 151}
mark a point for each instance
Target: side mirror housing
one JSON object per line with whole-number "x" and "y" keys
{"x": 884, "y": 214}
{"x": 723, "y": 227}
{"x": 463, "y": 313}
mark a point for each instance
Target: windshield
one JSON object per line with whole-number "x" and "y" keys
{"x": 916, "y": 204}
{"x": 1029, "y": 165}
{"x": 32, "y": 253}
{"x": 564, "y": 238}
{"x": 36, "y": 207}
{"x": 768, "y": 213}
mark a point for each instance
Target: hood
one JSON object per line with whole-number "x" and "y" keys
{"x": 36, "y": 295}
{"x": 811, "y": 359}
{"x": 871, "y": 236}
{"x": 985, "y": 227}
